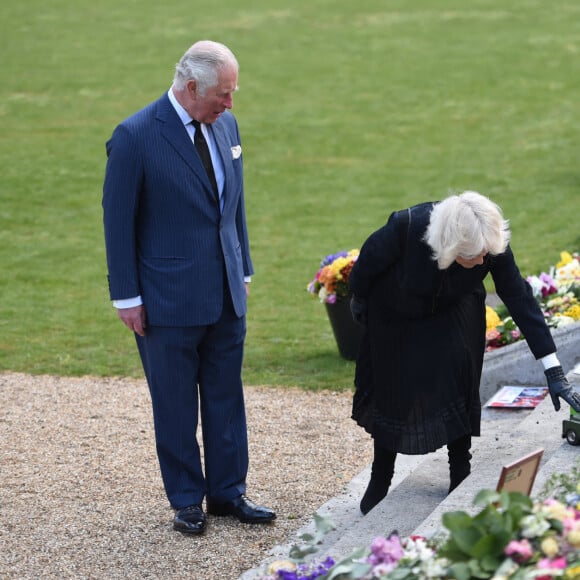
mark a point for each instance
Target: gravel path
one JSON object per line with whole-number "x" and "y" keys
{"x": 82, "y": 495}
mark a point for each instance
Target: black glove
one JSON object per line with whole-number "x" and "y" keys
{"x": 560, "y": 387}
{"x": 358, "y": 309}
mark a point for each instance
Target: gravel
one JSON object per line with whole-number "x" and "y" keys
{"x": 82, "y": 495}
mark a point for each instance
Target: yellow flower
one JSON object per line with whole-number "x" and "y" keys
{"x": 573, "y": 312}
{"x": 572, "y": 573}
{"x": 491, "y": 318}
{"x": 558, "y": 511}
{"x": 550, "y": 547}
{"x": 574, "y": 538}
{"x": 338, "y": 265}
{"x": 565, "y": 258}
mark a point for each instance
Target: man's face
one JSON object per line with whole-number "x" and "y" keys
{"x": 207, "y": 108}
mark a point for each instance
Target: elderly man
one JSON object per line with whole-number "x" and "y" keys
{"x": 179, "y": 264}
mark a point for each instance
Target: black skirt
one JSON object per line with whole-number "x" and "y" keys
{"x": 417, "y": 379}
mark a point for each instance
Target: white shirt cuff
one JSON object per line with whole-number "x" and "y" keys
{"x": 550, "y": 360}
{"x": 128, "y": 302}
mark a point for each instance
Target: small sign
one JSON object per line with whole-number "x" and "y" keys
{"x": 520, "y": 475}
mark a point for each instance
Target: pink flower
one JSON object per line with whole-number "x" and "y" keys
{"x": 519, "y": 551}
{"x": 547, "y": 564}
{"x": 386, "y": 550}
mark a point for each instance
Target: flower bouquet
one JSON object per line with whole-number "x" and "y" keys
{"x": 331, "y": 281}
{"x": 558, "y": 294}
{"x": 330, "y": 285}
{"x": 558, "y": 291}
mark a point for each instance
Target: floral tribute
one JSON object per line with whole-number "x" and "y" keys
{"x": 331, "y": 281}
{"x": 558, "y": 294}
{"x": 511, "y": 538}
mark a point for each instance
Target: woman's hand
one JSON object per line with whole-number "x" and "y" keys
{"x": 358, "y": 309}
{"x": 560, "y": 387}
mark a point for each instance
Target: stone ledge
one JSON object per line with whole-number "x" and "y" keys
{"x": 515, "y": 365}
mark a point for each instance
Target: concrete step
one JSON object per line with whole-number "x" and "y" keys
{"x": 416, "y": 504}
{"x": 418, "y": 495}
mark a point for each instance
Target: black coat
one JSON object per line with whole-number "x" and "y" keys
{"x": 420, "y": 361}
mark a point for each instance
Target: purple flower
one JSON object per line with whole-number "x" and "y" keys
{"x": 331, "y": 257}
{"x": 307, "y": 571}
{"x": 548, "y": 284}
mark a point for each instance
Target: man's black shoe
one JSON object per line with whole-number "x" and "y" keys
{"x": 242, "y": 508}
{"x": 190, "y": 520}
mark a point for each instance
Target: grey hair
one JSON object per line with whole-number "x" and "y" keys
{"x": 202, "y": 63}
{"x": 466, "y": 225}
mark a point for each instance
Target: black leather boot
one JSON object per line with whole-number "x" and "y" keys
{"x": 382, "y": 472}
{"x": 459, "y": 460}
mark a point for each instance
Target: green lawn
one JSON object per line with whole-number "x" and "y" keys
{"x": 348, "y": 110}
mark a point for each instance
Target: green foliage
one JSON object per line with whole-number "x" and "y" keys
{"x": 575, "y": 290}
{"x": 348, "y": 110}
{"x": 323, "y": 525}
{"x": 560, "y": 485}
{"x": 476, "y": 543}
{"x": 349, "y": 567}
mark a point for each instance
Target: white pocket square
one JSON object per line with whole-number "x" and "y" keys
{"x": 236, "y": 151}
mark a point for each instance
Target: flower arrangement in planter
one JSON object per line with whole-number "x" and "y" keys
{"x": 558, "y": 294}
{"x": 331, "y": 281}
{"x": 511, "y": 538}
{"x": 330, "y": 285}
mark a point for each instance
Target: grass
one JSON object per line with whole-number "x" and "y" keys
{"x": 347, "y": 112}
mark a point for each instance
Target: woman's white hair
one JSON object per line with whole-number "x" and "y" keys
{"x": 466, "y": 225}
{"x": 202, "y": 63}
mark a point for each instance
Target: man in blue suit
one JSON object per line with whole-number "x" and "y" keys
{"x": 179, "y": 264}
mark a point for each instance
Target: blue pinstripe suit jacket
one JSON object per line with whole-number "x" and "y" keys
{"x": 165, "y": 237}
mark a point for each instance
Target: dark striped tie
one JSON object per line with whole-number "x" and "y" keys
{"x": 203, "y": 152}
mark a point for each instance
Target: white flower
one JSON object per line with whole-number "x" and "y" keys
{"x": 435, "y": 568}
{"x": 534, "y": 526}
{"x": 536, "y": 284}
{"x": 568, "y": 273}
{"x": 561, "y": 320}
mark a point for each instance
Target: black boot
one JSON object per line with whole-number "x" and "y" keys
{"x": 381, "y": 475}
{"x": 459, "y": 460}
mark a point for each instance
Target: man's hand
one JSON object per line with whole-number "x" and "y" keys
{"x": 560, "y": 387}
{"x": 358, "y": 309}
{"x": 133, "y": 318}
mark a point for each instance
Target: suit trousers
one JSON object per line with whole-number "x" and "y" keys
{"x": 195, "y": 371}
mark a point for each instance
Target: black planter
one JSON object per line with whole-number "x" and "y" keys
{"x": 346, "y": 331}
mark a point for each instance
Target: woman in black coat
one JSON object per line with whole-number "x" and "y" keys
{"x": 418, "y": 288}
